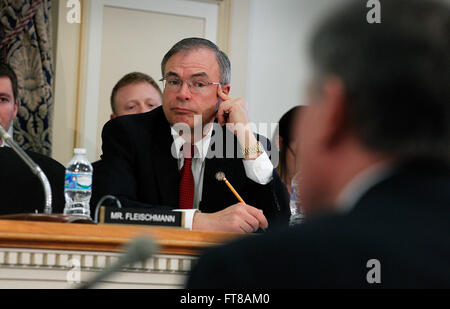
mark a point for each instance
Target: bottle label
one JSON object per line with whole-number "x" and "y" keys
{"x": 78, "y": 181}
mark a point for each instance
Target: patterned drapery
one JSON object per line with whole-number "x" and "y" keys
{"x": 25, "y": 44}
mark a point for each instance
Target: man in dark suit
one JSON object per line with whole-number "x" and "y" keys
{"x": 148, "y": 161}
{"x": 134, "y": 93}
{"x": 374, "y": 160}
{"x": 20, "y": 190}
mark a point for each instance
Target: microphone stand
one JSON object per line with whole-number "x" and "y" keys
{"x": 139, "y": 250}
{"x": 33, "y": 166}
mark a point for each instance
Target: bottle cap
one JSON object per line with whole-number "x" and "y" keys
{"x": 81, "y": 151}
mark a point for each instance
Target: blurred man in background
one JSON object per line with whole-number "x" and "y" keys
{"x": 374, "y": 152}
{"x": 135, "y": 93}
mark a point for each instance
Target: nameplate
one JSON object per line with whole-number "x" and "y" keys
{"x": 139, "y": 216}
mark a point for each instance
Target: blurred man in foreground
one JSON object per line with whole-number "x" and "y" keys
{"x": 375, "y": 149}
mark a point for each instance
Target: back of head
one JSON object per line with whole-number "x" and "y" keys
{"x": 286, "y": 122}
{"x": 284, "y": 136}
{"x": 396, "y": 74}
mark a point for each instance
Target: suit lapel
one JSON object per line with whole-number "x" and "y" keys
{"x": 214, "y": 190}
{"x": 165, "y": 164}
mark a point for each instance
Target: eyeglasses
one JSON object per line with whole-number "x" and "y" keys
{"x": 196, "y": 85}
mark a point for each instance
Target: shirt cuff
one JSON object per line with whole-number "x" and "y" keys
{"x": 259, "y": 170}
{"x": 188, "y": 217}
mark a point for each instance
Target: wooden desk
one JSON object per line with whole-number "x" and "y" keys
{"x": 56, "y": 255}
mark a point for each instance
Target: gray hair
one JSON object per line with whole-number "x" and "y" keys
{"x": 190, "y": 44}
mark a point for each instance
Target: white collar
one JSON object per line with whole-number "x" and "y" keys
{"x": 201, "y": 147}
{"x": 361, "y": 183}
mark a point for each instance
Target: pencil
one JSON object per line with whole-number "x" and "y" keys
{"x": 233, "y": 190}
{"x": 221, "y": 177}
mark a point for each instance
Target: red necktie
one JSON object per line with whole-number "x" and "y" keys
{"x": 187, "y": 179}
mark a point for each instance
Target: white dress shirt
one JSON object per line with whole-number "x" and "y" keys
{"x": 259, "y": 170}
{"x": 10, "y": 132}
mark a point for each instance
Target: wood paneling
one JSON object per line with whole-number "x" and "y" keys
{"x": 64, "y": 236}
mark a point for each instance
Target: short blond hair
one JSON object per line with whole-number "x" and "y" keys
{"x": 132, "y": 78}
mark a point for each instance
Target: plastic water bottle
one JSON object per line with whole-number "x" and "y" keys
{"x": 294, "y": 202}
{"x": 78, "y": 185}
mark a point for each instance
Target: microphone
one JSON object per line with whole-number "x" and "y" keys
{"x": 33, "y": 166}
{"x": 139, "y": 250}
{"x": 99, "y": 204}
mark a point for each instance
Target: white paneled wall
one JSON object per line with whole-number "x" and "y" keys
{"x": 277, "y": 69}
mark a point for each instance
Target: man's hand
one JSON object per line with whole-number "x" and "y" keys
{"x": 238, "y": 218}
{"x": 233, "y": 111}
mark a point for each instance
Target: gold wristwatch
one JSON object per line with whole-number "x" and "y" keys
{"x": 253, "y": 152}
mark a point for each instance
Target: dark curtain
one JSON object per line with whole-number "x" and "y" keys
{"x": 25, "y": 36}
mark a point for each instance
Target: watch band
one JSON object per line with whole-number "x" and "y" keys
{"x": 255, "y": 149}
